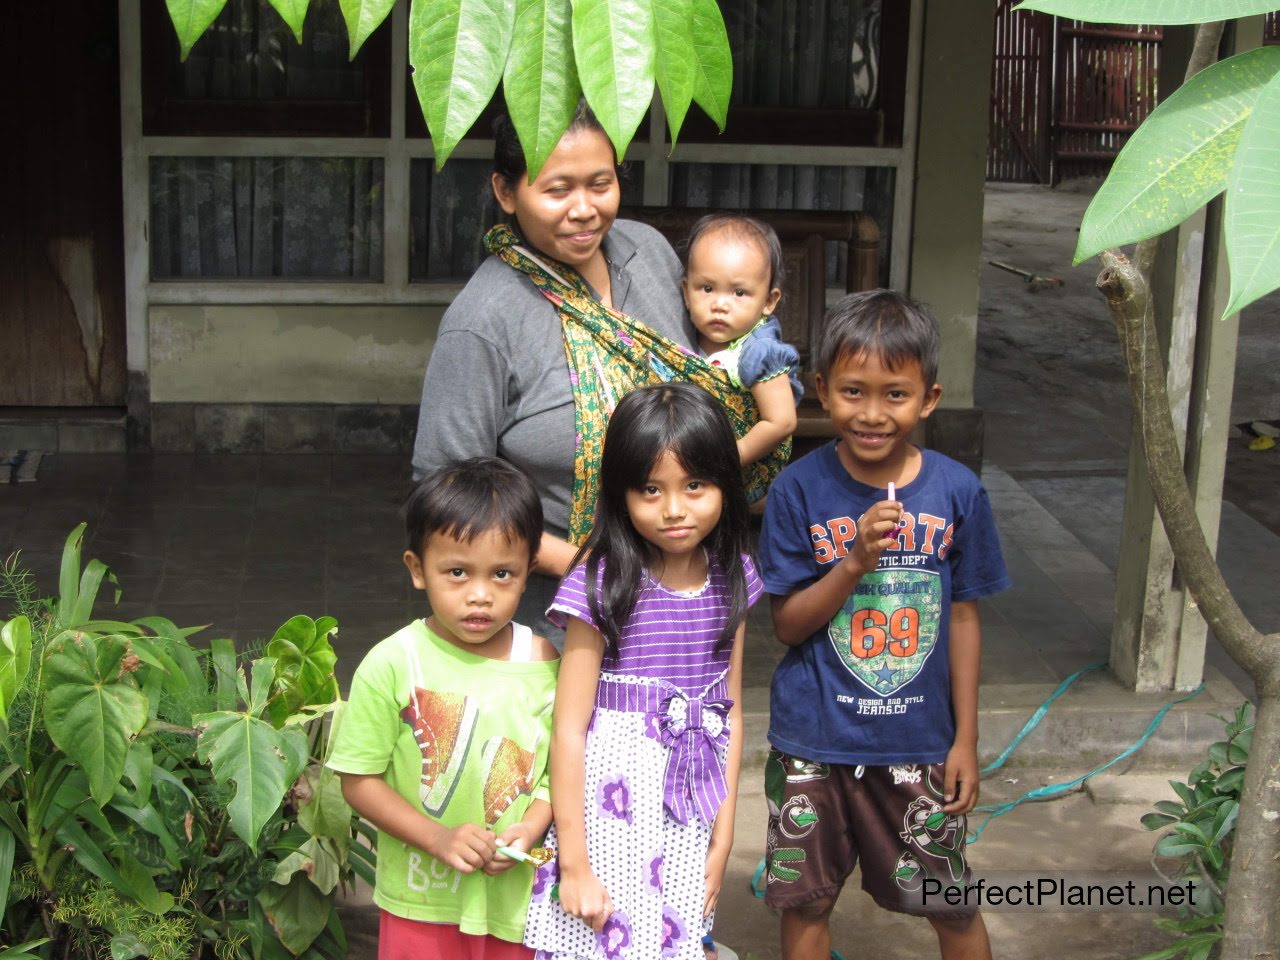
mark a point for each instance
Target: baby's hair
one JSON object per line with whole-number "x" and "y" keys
{"x": 883, "y": 323}
{"x": 466, "y": 499}
{"x": 745, "y": 228}
{"x": 687, "y": 422}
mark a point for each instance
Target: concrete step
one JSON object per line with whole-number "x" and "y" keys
{"x": 63, "y": 429}
{"x": 1095, "y": 720}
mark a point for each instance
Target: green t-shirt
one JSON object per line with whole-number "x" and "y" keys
{"x": 465, "y": 739}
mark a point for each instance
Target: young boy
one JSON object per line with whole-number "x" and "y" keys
{"x": 443, "y": 744}
{"x": 875, "y": 552}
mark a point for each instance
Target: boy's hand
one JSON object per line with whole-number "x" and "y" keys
{"x": 960, "y": 779}
{"x": 464, "y": 848}
{"x": 717, "y": 861}
{"x": 582, "y": 895}
{"x": 518, "y": 835}
{"x": 875, "y": 533}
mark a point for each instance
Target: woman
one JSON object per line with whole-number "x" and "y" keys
{"x": 498, "y": 381}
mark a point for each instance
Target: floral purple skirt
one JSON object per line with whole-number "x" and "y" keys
{"x": 652, "y": 866}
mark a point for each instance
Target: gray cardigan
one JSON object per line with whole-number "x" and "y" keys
{"x": 498, "y": 380}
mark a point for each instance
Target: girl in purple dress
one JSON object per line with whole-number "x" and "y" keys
{"x": 646, "y": 740}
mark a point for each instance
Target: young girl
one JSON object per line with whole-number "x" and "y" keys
{"x": 732, "y": 283}
{"x": 646, "y": 738}
{"x": 443, "y": 745}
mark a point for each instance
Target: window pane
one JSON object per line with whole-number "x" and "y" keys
{"x": 815, "y": 53}
{"x": 451, "y": 209}
{"x": 248, "y": 75}
{"x": 284, "y": 217}
{"x": 738, "y": 186}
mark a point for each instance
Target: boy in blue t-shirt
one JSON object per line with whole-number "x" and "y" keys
{"x": 875, "y": 552}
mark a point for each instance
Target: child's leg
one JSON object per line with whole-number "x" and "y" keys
{"x": 806, "y": 930}
{"x": 962, "y": 938}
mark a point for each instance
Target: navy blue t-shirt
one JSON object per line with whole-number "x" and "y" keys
{"x": 874, "y": 685}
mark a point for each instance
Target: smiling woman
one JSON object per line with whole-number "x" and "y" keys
{"x": 499, "y": 379}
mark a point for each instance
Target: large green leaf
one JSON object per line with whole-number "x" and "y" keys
{"x": 327, "y": 813}
{"x": 1180, "y": 157}
{"x": 297, "y": 912}
{"x": 15, "y": 659}
{"x": 1252, "y": 215}
{"x": 261, "y": 760}
{"x": 675, "y": 60}
{"x": 292, "y": 12}
{"x": 93, "y": 708}
{"x": 613, "y": 47}
{"x": 458, "y": 49}
{"x": 304, "y": 666}
{"x": 363, "y": 17}
{"x": 8, "y": 844}
{"x": 713, "y": 77}
{"x": 540, "y": 84}
{"x": 191, "y": 18}
{"x": 318, "y": 859}
{"x": 1150, "y": 11}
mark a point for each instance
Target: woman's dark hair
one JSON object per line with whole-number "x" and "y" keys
{"x": 686, "y": 421}
{"x": 740, "y": 227}
{"x": 508, "y": 155}
{"x": 465, "y": 499}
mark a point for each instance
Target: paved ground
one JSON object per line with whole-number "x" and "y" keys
{"x": 243, "y": 542}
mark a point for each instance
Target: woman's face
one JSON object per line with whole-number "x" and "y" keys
{"x": 568, "y": 209}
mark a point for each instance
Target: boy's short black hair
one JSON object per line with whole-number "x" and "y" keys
{"x": 471, "y": 497}
{"x": 740, "y": 227}
{"x": 884, "y": 323}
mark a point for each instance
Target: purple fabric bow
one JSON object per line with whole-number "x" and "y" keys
{"x": 694, "y": 730}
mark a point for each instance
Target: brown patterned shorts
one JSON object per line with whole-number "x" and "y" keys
{"x": 825, "y": 819}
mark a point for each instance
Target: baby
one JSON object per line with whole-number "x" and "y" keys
{"x": 732, "y": 283}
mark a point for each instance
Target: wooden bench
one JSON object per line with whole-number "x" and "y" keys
{"x": 803, "y": 234}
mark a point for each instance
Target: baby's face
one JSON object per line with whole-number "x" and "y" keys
{"x": 727, "y": 288}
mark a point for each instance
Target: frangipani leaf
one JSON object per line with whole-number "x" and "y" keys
{"x": 676, "y": 63}
{"x": 540, "y": 84}
{"x": 1252, "y": 215}
{"x": 93, "y": 708}
{"x": 191, "y": 18}
{"x": 15, "y": 660}
{"x": 713, "y": 79}
{"x": 613, "y": 47}
{"x": 293, "y": 13}
{"x": 1180, "y": 157}
{"x": 1150, "y": 11}
{"x": 458, "y": 49}
{"x": 362, "y": 18}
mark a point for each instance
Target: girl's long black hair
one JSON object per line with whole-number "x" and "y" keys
{"x": 689, "y": 423}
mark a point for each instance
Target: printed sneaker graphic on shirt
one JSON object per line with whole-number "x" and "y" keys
{"x": 888, "y": 626}
{"x": 508, "y": 774}
{"x": 443, "y": 724}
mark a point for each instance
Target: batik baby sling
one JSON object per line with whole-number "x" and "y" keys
{"x": 610, "y": 355}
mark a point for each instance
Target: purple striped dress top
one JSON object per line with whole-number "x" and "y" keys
{"x": 671, "y": 635}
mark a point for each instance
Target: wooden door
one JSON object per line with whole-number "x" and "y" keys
{"x": 62, "y": 336}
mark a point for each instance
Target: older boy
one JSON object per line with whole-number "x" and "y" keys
{"x": 875, "y": 553}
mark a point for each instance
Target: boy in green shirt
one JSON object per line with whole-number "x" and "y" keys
{"x": 443, "y": 744}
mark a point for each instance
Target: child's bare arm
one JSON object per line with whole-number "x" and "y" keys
{"x": 797, "y": 615}
{"x": 777, "y": 407}
{"x": 722, "y": 832}
{"x": 581, "y": 893}
{"x": 464, "y": 848}
{"x": 961, "y": 775}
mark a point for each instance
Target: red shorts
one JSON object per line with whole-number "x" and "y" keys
{"x": 824, "y": 819}
{"x": 401, "y": 939}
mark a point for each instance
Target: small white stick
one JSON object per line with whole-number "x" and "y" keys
{"x": 891, "y": 491}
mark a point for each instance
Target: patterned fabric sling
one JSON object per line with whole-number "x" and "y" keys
{"x": 610, "y": 355}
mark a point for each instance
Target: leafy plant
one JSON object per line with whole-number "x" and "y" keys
{"x": 545, "y": 53}
{"x": 155, "y": 801}
{"x": 1199, "y": 829}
